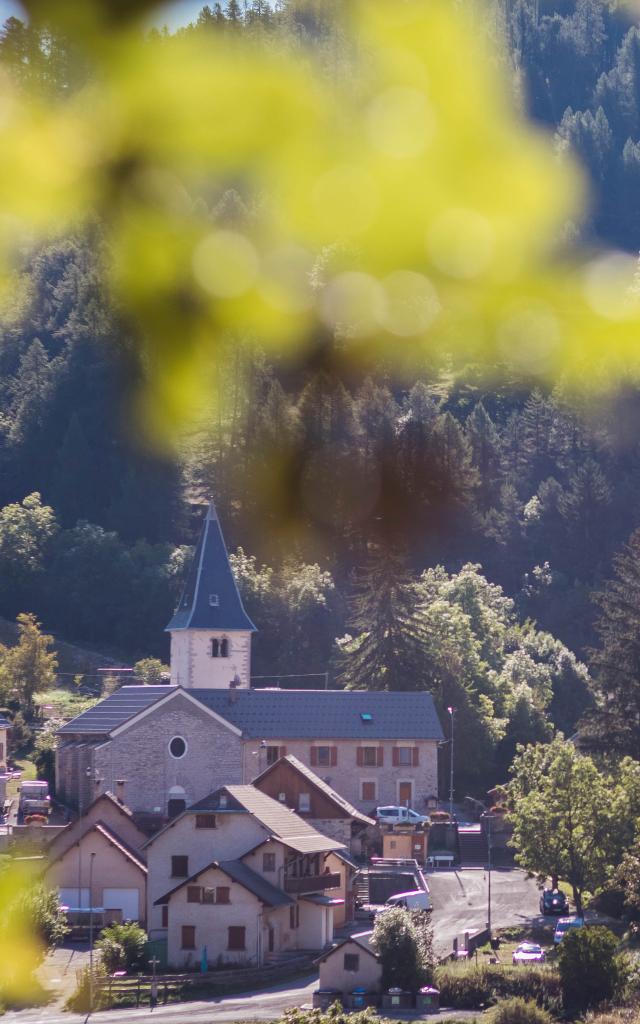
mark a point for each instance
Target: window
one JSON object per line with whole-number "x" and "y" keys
{"x": 294, "y": 916}
{"x": 177, "y": 747}
{"x": 205, "y": 821}
{"x": 369, "y": 791}
{"x": 179, "y": 866}
{"x": 214, "y": 600}
{"x": 370, "y": 757}
{"x": 273, "y": 753}
{"x": 194, "y": 894}
{"x": 208, "y": 896}
{"x": 236, "y": 938}
{"x": 215, "y": 648}
{"x": 220, "y": 648}
{"x": 304, "y": 803}
{"x": 404, "y": 755}
{"x": 222, "y": 895}
{"x": 268, "y": 862}
{"x": 188, "y": 936}
{"x": 324, "y": 756}
{"x": 351, "y": 962}
{"x": 165, "y": 916}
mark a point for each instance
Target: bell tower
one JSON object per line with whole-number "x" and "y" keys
{"x": 210, "y": 630}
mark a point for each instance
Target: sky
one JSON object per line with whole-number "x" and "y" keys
{"x": 173, "y": 14}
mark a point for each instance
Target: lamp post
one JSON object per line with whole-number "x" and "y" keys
{"x": 488, "y": 820}
{"x": 452, "y": 712}
{"x": 91, "y": 858}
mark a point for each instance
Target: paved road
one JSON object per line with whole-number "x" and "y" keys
{"x": 460, "y": 902}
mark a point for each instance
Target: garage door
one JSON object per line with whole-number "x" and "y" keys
{"x": 125, "y": 900}
{"x": 74, "y": 899}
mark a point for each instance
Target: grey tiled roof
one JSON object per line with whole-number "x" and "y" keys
{"x": 284, "y": 714}
{"x": 111, "y": 712}
{"x": 4, "y": 722}
{"x": 281, "y": 822}
{"x": 210, "y": 574}
{"x": 320, "y": 784}
{"x": 326, "y": 714}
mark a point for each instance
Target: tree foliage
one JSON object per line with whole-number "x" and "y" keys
{"x": 591, "y": 970}
{"x": 403, "y": 942}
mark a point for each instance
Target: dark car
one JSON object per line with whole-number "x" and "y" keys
{"x": 553, "y": 901}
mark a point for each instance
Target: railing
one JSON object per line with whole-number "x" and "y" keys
{"x": 312, "y": 883}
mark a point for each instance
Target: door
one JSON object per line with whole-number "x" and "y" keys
{"x": 125, "y": 900}
{"x": 404, "y": 793}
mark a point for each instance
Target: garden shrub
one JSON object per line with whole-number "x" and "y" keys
{"x": 520, "y": 1011}
{"x": 465, "y": 986}
{"x": 122, "y": 946}
{"x": 591, "y": 971}
{"x": 80, "y": 1001}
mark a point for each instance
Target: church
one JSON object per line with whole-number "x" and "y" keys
{"x": 160, "y": 749}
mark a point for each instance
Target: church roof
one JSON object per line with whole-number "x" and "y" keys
{"x": 210, "y": 599}
{"x": 283, "y": 714}
{"x": 326, "y": 714}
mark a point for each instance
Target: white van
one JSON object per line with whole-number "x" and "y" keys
{"x": 416, "y": 899}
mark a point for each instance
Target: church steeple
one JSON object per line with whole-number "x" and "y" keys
{"x": 210, "y": 630}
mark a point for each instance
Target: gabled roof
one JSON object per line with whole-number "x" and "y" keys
{"x": 4, "y": 722}
{"x": 210, "y": 599}
{"x": 109, "y": 798}
{"x": 114, "y": 839}
{"x": 277, "y": 820}
{"x": 282, "y": 714}
{"x": 362, "y": 939}
{"x": 244, "y": 876}
{"x": 320, "y": 784}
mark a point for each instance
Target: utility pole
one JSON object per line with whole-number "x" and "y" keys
{"x": 452, "y": 712}
{"x": 488, "y": 820}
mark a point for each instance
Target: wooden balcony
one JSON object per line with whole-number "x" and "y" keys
{"x": 311, "y": 883}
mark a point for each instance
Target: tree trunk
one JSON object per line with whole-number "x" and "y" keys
{"x": 577, "y": 896}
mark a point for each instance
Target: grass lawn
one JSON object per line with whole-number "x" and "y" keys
{"x": 66, "y": 703}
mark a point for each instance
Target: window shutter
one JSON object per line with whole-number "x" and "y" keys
{"x": 416, "y": 756}
{"x": 380, "y": 757}
{"x": 283, "y": 752}
{"x": 314, "y": 756}
{"x": 360, "y": 756}
{"x": 334, "y": 756}
{"x": 395, "y": 757}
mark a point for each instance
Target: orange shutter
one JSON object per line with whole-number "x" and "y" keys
{"x": 334, "y": 756}
{"x": 395, "y": 757}
{"x": 283, "y": 752}
{"x": 416, "y": 756}
{"x": 380, "y": 757}
{"x": 314, "y": 756}
{"x": 360, "y": 756}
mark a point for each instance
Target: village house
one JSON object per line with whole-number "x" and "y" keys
{"x": 96, "y": 861}
{"x": 297, "y": 786}
{"x": 162, "y": 748}
{"x": 349, "y": 965}
{"x": 240, "y": 876}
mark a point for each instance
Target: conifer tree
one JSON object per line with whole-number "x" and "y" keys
{"x": 386, "y": 651}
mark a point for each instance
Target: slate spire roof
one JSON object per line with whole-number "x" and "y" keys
{"x": 210, "y": 599}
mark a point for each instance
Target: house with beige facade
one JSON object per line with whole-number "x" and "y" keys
{"x": 237, "y": 877}
{"x": 351, "y": 964}
{"x": 96, "y": 861}
{"x": 163, "y": 748}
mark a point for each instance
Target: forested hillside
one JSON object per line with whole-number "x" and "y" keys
{"x": 426, "y": 523}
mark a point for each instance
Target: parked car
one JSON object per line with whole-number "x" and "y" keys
{"x": 415, "y": 899}
{"x": 553, "y": 901}
{"x": 393, "y": 815}
{"x": 528, "y": 953}
{"x": 564, "y": 925}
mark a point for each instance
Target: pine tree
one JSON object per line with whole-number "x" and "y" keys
{"x": 386, "y": 651}
{"x": 613, "y": 727}
{"x": 485, "y": 449}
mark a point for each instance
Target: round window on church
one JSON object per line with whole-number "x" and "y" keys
{"x": 177, "y": 747}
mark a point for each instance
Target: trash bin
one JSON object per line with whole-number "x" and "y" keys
{"x": 428, "y": 1000}
{"x": 323, "y": 998}
{"x": 396, "y": 998}
{"x": 358, "y": 999}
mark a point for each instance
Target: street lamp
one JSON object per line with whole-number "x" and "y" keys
{"x": 488, "y": 818}
{"x": 91, "y": 859}
{"x": 452, "y": 712}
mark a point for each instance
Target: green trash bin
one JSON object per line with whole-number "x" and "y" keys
{"x": 428, "y": 1000}
{"x": 397, "y": 999}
